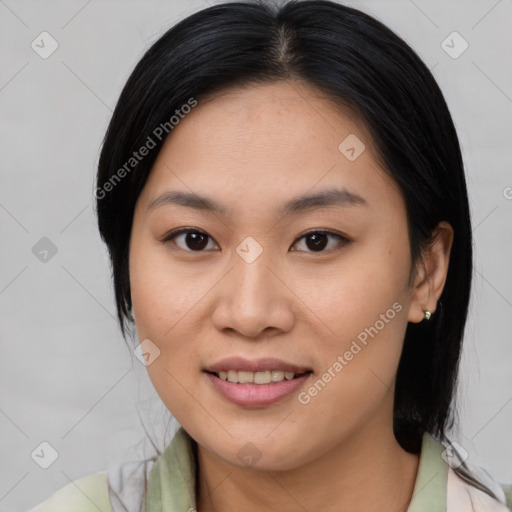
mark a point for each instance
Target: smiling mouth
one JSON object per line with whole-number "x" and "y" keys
{"x": 263, "y": 377}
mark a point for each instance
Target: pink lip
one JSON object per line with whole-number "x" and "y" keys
{"x": 258, "y": 365}
{"x": 256, "y": 395}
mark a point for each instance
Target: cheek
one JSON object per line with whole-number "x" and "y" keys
{"x": 364, "y": 305}
{"x": 165, "y": 301}
{"x": 162, "y": 293}
{"x": 353, "y": 295}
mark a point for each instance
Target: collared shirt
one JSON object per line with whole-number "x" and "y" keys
{"x": 171, "y": 486}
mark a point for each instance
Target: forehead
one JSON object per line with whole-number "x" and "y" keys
{"x": 269, "y": 141}
{"x": 264, "y": 109}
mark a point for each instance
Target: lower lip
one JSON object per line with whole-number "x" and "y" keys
{"x": 256, "y": 395}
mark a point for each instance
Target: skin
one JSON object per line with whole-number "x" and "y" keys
{"x": 252, "y": 149}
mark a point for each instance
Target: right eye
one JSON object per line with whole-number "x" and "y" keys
{"x": 193, "y": 240}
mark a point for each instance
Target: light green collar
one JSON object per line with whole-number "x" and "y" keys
{"x": 171, "y": 485}
{"x": 430, "y": 488}
{"x": 172, "y": 480}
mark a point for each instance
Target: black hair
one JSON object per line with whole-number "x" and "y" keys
{"x": 360, "y": 64}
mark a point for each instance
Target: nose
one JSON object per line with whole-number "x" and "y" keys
{"x": 254, "y": 300}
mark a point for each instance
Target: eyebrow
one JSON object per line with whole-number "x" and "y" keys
{"x": 340, "y": 197}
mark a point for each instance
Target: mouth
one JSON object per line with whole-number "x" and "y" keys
{"x": 256, "y": 383}
{"x": 259, "y": 378}
{"x": 258, "y": 366}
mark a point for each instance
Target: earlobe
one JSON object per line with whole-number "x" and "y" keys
{"x": 431, "y": 275}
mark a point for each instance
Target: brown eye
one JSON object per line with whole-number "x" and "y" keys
{"x": 191, "y": 239}
{"x": 317, "y": 241}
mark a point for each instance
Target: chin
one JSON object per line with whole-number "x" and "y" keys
{"x": 279, "y": 452}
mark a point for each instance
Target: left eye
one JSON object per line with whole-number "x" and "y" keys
{"x": 318, "y": 240}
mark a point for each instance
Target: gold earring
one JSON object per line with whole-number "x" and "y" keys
{"x": 428, "y": 314}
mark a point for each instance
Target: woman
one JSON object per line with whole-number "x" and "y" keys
{"x": 296, "y": 259}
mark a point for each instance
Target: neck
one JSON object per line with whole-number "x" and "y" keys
{"x": 367, "y": 471}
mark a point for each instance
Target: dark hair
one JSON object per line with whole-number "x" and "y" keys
{"x": 360, "y": 64}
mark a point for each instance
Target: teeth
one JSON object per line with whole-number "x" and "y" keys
{"x": 277, "y": 376}
{"x": 245, "y": 377}
{"x": 266, "y": 377}
{"x": 262, "y": 377}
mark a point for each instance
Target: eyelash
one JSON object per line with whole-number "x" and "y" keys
{"x": 342, "y": 240}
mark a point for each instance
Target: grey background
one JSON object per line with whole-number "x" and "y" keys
{"x": 66, "y": 375}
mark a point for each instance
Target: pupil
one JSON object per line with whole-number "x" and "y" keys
{"x": 196, "y": 240}
{"x": 319, "y": 241}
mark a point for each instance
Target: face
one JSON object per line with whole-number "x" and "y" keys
{"x": 313, "y": 298}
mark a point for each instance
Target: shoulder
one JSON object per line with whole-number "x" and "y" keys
{"x": 462, "y": 496}
{"x": 89, "y": 493}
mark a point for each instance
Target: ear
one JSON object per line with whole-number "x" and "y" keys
{"x": 431, "y": 273}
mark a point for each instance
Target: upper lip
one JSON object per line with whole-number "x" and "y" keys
{"x": 257, "y": 365}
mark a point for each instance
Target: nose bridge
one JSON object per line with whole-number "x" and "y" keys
{"x": 252, "y": 277}
{"x": 253, "y": 299}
